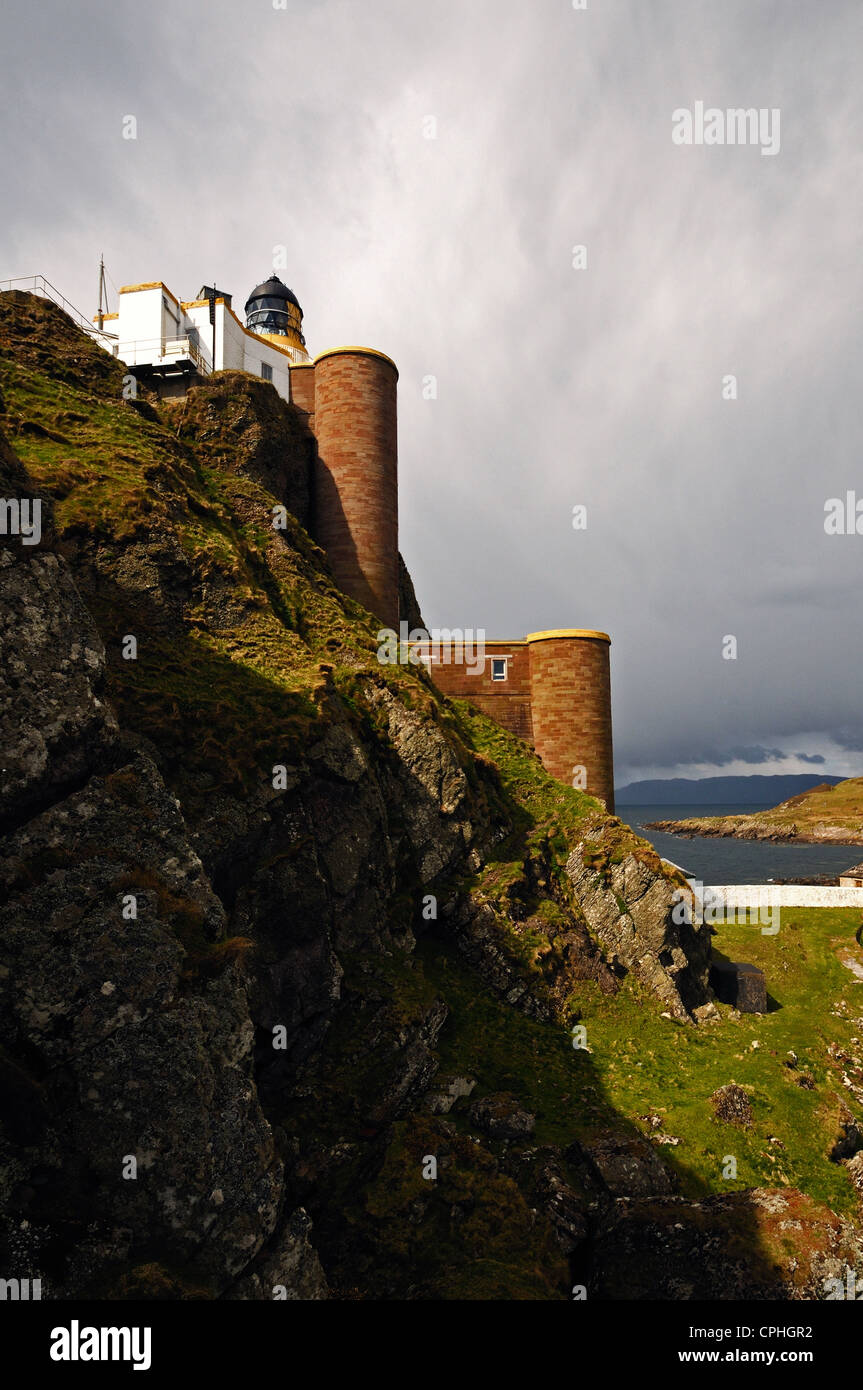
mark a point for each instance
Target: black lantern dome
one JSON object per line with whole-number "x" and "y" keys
{"x": 273, "y": 309}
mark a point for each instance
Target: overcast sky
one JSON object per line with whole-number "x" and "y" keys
{"x": 308, "y": 126}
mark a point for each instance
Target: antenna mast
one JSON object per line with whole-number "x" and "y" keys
{"x": 100, "y": 316}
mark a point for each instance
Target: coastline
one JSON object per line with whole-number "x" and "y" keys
{"x": 752, "y": 829}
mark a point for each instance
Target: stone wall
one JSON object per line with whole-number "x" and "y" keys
{"x": 785, "y": 895}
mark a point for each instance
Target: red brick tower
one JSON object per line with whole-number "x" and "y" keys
{"x": 571, "y": 706}
{"x": 356, "y": 476}
{"x": 303, "y": 389}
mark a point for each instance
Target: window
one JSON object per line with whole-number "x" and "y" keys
{"x": 498, "y": 668}
{"x": 266, "y": 371}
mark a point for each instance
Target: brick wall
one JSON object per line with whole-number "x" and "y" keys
{"x": 356, "y": 475}
{"x": 507, "y": 702}
{"x": 303, "y": 390}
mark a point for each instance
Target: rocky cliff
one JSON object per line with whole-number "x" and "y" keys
{"x": 251, "y": 877}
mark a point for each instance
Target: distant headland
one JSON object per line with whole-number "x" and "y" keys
{"x": 751, "y": 790}
{"x": 829, "y": 813}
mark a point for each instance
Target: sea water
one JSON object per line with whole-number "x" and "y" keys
{"x": 736, "y": 861}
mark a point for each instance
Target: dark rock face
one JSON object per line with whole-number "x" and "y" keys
{"x": 541, "y": 1173}
{"x": 481, "y": 930}
{"x": 409, "y": 609}
{"x": 446, "y": 1091}
{"x": 53, "y": 719}
{"x": 668, "y": 1248}
{"x": 135, "y": 1132}
{"x": 627, "y": 1166}
{"x": 850, "y": 1141}
{"x": 241, "y": 424}
{"x": 501, "y": 1117}
{"x": 119, "y": 1054}
{"x": 291, "y": 1271}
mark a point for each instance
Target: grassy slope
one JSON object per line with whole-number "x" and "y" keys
{"x": 640, "y": 1063}
{"x": 833, "y": 815}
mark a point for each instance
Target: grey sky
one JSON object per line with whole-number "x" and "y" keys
{"x": 556, "y": 386}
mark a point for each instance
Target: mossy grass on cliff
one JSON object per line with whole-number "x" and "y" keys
{"x": 524, "y": 877}
{"x": 542, "y": 802}
{"x": 478, "y": 1239}
{"x": 244, "y": 641}
{"x": 543, "y": 808}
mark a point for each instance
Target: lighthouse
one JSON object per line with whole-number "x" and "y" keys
{"x": 273, "y": 311}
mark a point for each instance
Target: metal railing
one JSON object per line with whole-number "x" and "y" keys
{"x": 139, "y": 352}
{"x": 37, "y": 284}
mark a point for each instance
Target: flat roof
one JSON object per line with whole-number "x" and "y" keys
{"x": 150, "y": 285}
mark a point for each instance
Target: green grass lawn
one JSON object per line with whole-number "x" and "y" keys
{"x": 640, "y": 1063}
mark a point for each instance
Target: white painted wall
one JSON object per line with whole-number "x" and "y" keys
{"x": 239, "y": 350}
{"x": 139, "y": 326}
{"x": 152, "y": 328}
{"x": 784, "y": 895}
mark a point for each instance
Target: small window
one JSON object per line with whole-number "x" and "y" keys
{"x": 498, "y": 668}
{"x": 266, "y": 371}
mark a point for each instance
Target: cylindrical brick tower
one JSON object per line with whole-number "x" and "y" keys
{"x": 356, "y": 475}
{"x": 571, "y": 706}
{"x": 303, "y": 389}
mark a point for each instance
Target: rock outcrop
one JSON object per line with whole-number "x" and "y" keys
{"x": 629, "y": 903}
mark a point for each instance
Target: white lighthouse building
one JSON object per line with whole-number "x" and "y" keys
{"x": 173, "y": 343}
